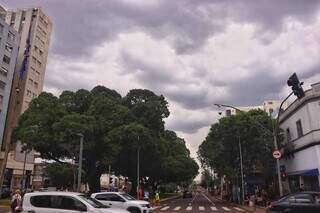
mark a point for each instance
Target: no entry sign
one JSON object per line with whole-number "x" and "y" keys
{"x": 276, "y": 154}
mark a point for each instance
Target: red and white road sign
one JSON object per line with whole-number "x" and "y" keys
{"x": 276, "y": 154}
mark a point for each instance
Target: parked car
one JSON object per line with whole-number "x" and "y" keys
{"x": 64, "y": 202}
{"x": 301, "y": 202}
{"x": 123, "y": 201}
{"x": 187, "y": 194}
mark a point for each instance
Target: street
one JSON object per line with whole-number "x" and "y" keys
{"x": 199, "y": 203}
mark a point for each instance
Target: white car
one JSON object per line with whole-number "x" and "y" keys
{"x": 123, "y": 201}
{"x": 63, "y": 202}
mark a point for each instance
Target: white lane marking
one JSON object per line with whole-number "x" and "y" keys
{"x": 177, "y": 208}
{"x": 189, "y": 208}
{"x": 210, "y": 201}
{"x": 165, "y": 208}
{"x": 213, "y": 208}
{"x": 236, "y": 208}
{"x": 225, "y": 208}
{"x": 201, "y": 208}
{"x": 194, "y": 197}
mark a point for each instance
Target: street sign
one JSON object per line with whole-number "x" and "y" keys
{"x": 276, "y": 154}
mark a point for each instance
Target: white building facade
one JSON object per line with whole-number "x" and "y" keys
{"x": 300, "y": 123}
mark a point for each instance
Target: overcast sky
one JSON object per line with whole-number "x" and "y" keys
{"x": 194, "y": 52}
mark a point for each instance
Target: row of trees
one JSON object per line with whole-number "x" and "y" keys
{"x": 220, "y": 150}
{"x": 114, "y": 128}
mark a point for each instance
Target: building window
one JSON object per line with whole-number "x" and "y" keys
{"x": 30, "y": 81}
{"x": 2, "y": 85}
{"x": 11, "y": 36}
{"x": 228, "y": 112}
{"x": 34, "y": 60}
{"x": 288, "y": 134}
{"x": 6, "y": 59}
{"x": 29, "y": 93}
{"x": 34, "y": 95}
{"x": 299, "y": 128}
{"x": 39, "y": 64}
{"x": 4, "y": 71}
{"x": 36, "y": 85}
{"x": 9, "y": 48}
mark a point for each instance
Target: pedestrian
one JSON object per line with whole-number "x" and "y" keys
{"x": 16, "y": 201}
{"x": 157, "y": 198}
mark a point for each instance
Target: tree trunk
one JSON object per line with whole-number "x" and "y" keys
{"x": 94, "y": 181}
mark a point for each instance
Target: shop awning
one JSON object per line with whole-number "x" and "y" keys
{"x": 308, "y": 172}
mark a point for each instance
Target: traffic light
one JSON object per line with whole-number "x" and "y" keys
{"x": 284, "y": 176}
{"x": 295, "y": 85}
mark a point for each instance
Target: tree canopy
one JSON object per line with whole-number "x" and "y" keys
{"x": 220, "y": 149}
{"x": 114, "y": 128}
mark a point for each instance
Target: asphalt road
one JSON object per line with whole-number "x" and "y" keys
{"x": 199, "y": 203}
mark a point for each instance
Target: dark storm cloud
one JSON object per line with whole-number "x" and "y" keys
{"x": 263, "y": 85}
{"x": 81, "y": 25}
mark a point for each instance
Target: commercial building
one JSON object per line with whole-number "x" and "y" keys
{"x": 300, "y": 123}
{"x": 269, "y": 106}
{"x": 9, "y": 41}
{"x": 35, "y": 29}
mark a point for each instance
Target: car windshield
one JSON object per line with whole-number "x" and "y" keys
{"x": 127, "y": 197}
{"x": 92, "y": 202}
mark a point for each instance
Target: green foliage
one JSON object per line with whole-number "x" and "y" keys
{"x": 220, "y": 149}
{"x": 61, "y": 175}
{"x": 114, "y": 129}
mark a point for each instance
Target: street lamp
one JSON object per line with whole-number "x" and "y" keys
{"x": 274, "y": 134}
{"x": 80, "y": 161}
{"x": 138, "y": 168}
{"x": 240, "y": 149}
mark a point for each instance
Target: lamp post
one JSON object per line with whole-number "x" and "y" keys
{"x": 138, "y": 168}
{"x": 80, "y": 162}
{"x": 273, "y": 133}
{"x": 240, "y": 151}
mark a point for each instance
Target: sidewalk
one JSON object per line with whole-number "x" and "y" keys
{"x": 250, "y": 209}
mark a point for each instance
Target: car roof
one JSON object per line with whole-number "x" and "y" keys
{"x": 98, "y": 193}
{"x": 53, "y": 193}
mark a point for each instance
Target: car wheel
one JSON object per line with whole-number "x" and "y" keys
{"x": 134, "y": 210}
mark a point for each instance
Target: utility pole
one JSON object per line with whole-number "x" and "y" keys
{"x": 80, "y": 162}
{"x": 24, "y": 171}
{"x": 241, "y": 167}
{"x": 138, "y": 168}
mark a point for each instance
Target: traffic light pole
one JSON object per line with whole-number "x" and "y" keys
{"x": 275, "y": 133}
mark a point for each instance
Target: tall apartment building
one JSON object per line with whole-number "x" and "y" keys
{"x": 35, "y": 29}
{"x": 9, "y": 41}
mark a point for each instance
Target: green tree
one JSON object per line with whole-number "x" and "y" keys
{"x": 114, "y": 128}
{"x": 60, "y": 175}
{"x": 220, "y": 149}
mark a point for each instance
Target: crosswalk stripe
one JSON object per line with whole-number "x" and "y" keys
{"x": 236, "y": 208}
{"x": 189, "y": 208}
{"x": 201, "y": 208}
{"x": 225, "y": 208}
{"x": 213, "y": 208}
{"x": 165, "y": 208}
{"x": 177, "y": 208}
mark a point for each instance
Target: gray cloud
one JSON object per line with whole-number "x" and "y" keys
{"x": 79, "y": 25}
